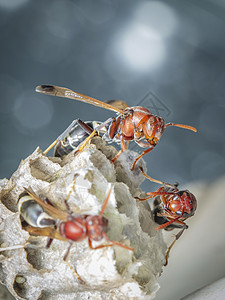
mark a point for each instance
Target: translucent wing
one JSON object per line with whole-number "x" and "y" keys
{"x": 117, "y": 103}
{"x": 47, "y": 231}
{"x": 67, "y": 93}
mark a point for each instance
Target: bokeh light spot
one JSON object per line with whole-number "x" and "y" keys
{"x": 158, "y": 16}
{"x": 141, "y": 47}
{"x": 32, "y": 112}
{"x": 138, "y": 48}
{"x": 140, "y": 44}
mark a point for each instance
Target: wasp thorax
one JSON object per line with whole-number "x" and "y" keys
{"x": 74, "y": 230}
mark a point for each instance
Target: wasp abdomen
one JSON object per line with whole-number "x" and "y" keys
{"x": 33, "y": 213}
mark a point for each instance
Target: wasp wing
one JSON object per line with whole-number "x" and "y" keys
{"x": 47, "y": 231}
{"x": 118, "y": 104}
{"x": 67, "y": 93}
{"x": 53, "y": 211}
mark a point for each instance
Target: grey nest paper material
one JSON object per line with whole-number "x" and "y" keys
{"x": 36, "y": 272}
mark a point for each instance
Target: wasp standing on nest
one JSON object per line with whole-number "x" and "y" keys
{"x": 132, "y": 123}
{"x": 171, "y": 208}
{"x": 44, "y": 219}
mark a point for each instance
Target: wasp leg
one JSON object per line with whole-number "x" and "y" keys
{"x": 85, "y": 142}
{"x": 49, "y": 242}
{"x": 71, "y": 268}
{"x": 50, "y": 147}
{"x": 151, "y": 195}
{"x": 173, "y": 186}
{"x": 177, "y": 236}
{"x": 152, "y": 179}
{"x": 113, "y": 243}
{"x": 98, "y": 247}
{"x": 67, "y": 251}
{"x": 70, "y": 212}
{"x": 142, "y": 154}
{"x": 75, "y": 272}
{"x": 122, "y": 149}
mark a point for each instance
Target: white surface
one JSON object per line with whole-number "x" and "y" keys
{"x": 214, "y": 291}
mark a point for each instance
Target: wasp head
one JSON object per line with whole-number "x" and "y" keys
{"x": 96, "y": 225}
{"x": 154, "y": 129}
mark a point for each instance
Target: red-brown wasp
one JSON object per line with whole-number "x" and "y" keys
{"x": 171, "y": 208}
{"x": 132, "y": 123}
{"x": 66, "y": 226}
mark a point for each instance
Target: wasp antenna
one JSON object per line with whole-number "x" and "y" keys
{"x": 182, "y": 126}
{"x": 106, "y": 202}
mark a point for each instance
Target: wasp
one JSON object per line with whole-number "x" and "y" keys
{"x": 171, "y": 208}
{"x": 132, "y": 123}
{"x": 44, "y": 219}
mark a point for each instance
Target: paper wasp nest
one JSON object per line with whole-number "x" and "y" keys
{"x": 37, "y": 272}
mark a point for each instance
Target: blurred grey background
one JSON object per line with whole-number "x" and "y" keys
{"x": 167, "y": 55}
